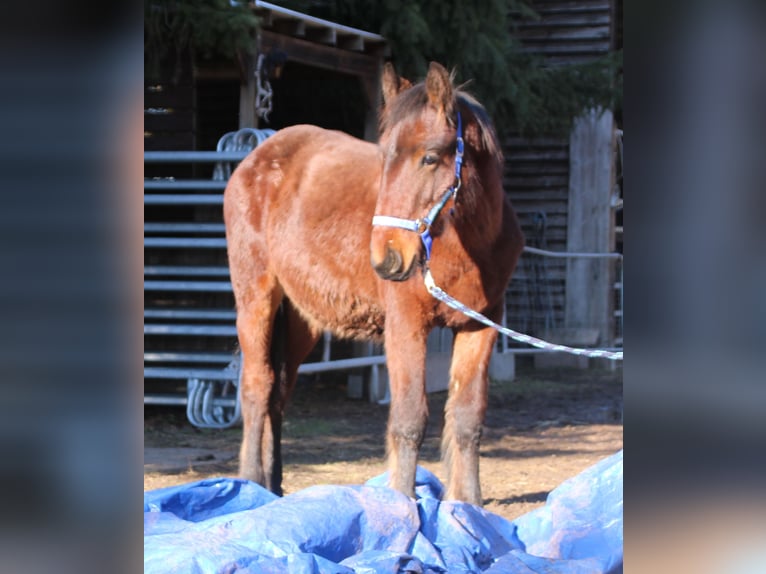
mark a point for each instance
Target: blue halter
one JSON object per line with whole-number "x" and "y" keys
{"x": 423, "y": 226}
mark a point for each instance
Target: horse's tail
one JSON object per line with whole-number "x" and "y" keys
{"x": 278, "y": 353}
{"x": 278, "y": 395}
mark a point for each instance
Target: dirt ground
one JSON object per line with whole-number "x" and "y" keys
{"x": 542, "y": 428}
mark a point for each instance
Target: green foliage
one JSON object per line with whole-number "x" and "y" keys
{"x": 476, "y": 40}
{"x": 547, "y": 99}
{"x": 205, "y": 27}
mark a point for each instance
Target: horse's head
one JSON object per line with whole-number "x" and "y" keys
{"x": 419, "y": 143}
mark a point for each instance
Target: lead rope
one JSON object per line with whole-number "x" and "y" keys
{"x": 439, "y": 294}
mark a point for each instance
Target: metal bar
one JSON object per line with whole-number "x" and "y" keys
{"x": 184, "y": 228}
{"x": 341, "y": 364}
{"x": 184, "y": 184}
{"x": 180, "y": 400}
{"x": 203, "y": 330}
{"x": 326, "y": 340}
{"x": 210, "y": 314}
{"x": 204, "y": 242}
{"x": 190, "y": 373}
{"x": 165, "y": 400}
{"x": 184, "y": 271}
{"x": 564, "y": 254}
{"x": 217, "y": 286}
{"x": 170, "y": 357}
{"x": 230, "y": 375}
{"x": 318, "y": 22}
{"x": 183, "y": 199}
{"x": 504, "y": 340}
{"x": 194, "y": 156}
{"x": 622, "y": 303}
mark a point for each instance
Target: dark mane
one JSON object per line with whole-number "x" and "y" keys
{"x": 413, "y": 100}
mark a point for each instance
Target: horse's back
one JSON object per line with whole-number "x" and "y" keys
{"x": 300, "y": 206}
{"x": 304, "y": 164}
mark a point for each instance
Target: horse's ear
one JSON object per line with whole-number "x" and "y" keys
{"x": 392, "y": 84}
{"x": 439, "y": 88}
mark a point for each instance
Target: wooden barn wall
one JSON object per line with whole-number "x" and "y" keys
{"x": 536, "y": 175}
{"x": 169, "y": 105}
{"x": 569, "y": 31}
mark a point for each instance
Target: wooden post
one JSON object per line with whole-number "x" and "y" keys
{"x": 247, "y": 90}
{"x": 590, "y": 225}
{"x": 372, "y": 91}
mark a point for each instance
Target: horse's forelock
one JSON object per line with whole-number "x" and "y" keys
{"x": 407, "y": 103}
{"x": 412, "y": 101}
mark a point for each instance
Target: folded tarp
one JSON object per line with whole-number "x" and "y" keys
{"x": 236, "y": 526}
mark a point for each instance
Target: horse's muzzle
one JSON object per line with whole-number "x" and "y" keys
{"x": 392, "y": 266}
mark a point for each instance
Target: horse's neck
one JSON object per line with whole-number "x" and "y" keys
{"x": 480, "y": 215}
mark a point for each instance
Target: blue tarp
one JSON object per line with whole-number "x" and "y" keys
{"x": 236, "y": 526}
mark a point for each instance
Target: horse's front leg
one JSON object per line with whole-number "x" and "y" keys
{"x": 405, "y": 341}
{"x": 464, "y": 412}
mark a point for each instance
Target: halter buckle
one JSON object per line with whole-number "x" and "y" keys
{"x": 456, "y": 186}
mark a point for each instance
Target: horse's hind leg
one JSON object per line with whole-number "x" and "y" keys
{"x": 464, "y": 413}
{"x": 256, "y": 311}
{"x": 292, "y": 340}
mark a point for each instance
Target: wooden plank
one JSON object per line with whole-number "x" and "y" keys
{"x": 568, "y": 32}
{"x": 247, "y": 91}
{"x": 167, "y": 95}
{"x": 288, "y": 26}
{"x": 520, "y": 142}
{"x": 568, "y": 20}
{"x": 351, "y": 42}
{"x": 572, "y": 7}
{"x": 534, "y": 169}
{"x": 590, "y": 222}
{"x": 321, "y": 56}
{"x": 533, "y": 181}
{"x": 546, "y": 34}
{"x": 536, "y": 178}
{"x": 327, "y": 36}
{"x": 548, "y": 48}
{"x": 166, "y": 141}
{"x": 549, "y": 210}
{"x": 538, "y": 154}
{"x": 517, "y": 196}
{"x": 170, "y": 121}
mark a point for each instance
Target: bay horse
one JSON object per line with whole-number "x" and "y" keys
{"x": 302, "y": 246}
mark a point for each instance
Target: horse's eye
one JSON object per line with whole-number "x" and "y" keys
{"x": 429, "y": 159}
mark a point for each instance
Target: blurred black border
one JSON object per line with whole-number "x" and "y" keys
{"x": 695, "y": 273}
{"x": 71, "y": 107}
{"x": 695, "y": 278}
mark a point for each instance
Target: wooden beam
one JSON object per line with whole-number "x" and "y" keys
{"x": 327, "y": 36}
{"x": 351, "y": 42}
{"x": 320, "y": 56}
{"x": 289, "y": 26}
{"x": 247, "y": 117}
{"x": 372, "y": 90}
{"x": 365, "y": 66}
{"x": 590, "y": 224}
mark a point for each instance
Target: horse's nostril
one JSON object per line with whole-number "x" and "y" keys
{"x": 391, "y": 265}
{"x": 393, "y": 262}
